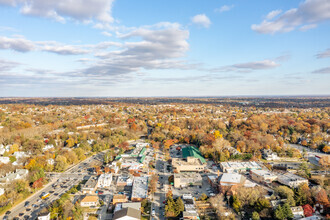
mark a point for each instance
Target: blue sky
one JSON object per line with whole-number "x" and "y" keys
{"x": 164, "y": 48}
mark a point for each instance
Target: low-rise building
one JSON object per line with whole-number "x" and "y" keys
{"x": 187, "y": 178}
{"x": 105, "y": 180}
{"x": 90, "y": 186}
{"x": 229, "y": 180}
{"x": 127, "y": 214}
{"x": 124, "y": 181}
{"x": 190, "y": 164}
{"x": 4, "y": 160}
{"x": 18, "y": 174}
{"x": 48, "y": 147}
{"x": 140, "y": 189}
{"x": 89, "y": 201}
{"x": 134, "y": 205}
{"x": 298, "y": 212}
{"x": 263, "y": 176}
{"x": 232, "y": 167}
{"x": 2, "y": 191}
{"x": 291, "y": 180}
{"x": 269, "y": 155}
{"x": 119, "y": 198}
{"x": 44, "y": 216}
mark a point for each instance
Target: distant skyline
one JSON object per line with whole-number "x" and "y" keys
{"x": 127, "y": 48}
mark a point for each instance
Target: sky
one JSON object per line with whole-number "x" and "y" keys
{"x": 145, "y": 48}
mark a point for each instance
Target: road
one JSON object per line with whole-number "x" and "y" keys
{"x": 160, "y": 194}
{"x": 67, "y": 179}
{"x": 310, "y": 153}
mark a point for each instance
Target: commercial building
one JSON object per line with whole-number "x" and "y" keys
{"x": 187, "y": 178}
{"x": 134, "y": 205}
{"x": 105, "y": 180}
{"x": 140, "y": 189}
{"x": 229, "y": 180}
{"x": 89, "y": 201}
{"x": 263, "y": 176}
{"x": 124, "y": 181}
{"x": 90, "y": 186}
{"x": 192, "y": 161}
{"x": 291, "y": 180}
{"x": 231, "y": 167}
{"x": 127, "y": 214}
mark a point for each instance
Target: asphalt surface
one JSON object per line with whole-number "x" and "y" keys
{"x": 67, "y": 179}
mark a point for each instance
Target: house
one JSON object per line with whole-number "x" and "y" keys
{"x": 262, "y": 176}
{"x": 104, "y": 180}
{"x": 298, "y": 212}
{"x": 90, "y": 186}
{"x": 187, "y": 178}
{"x": 89, "y": 201}
{"x": 140, "y": 189}
{"x": 269, "y": 155}
{"x": 134, "y": 205}
{"x": 47, "y": 147}
{"x": 238, "y": 167}
{"x": 44, "y": 216}
{"x": 18, "y": 174}
{"x": 2, "y": 191}
{"x": 119, "y": 198}
{"x": 127, "y": 214}
{"x": 20, "y": 154}
{"x": 4, "y": 160}
{"x": 291, "y": 180}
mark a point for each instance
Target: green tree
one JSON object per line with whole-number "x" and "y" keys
{"x": 203, "y": 197}
{"x": 255, "y": 216}
{"x": 236, "y": 204}
{"x": 287, "y": 211}
{"x": 179, "y": 206}
{"x": 170, "y": 206}
{"x": 279, "y": 214}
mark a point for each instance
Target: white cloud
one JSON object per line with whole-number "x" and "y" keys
{"x": 324, "y": 54}
{"x": 306, "y": 16}
{"x": 325, "y": 70}
{"x": 248, "y": 67}
{"x": 65, "y": 49}
{"x": 201, "y": 20}
{"x": 273, "y": 14}
{"x": 105, "y": 33}
{"x": 6, "y": 65}
{"x": 307, "y": 27}
{"x": 60, "y": 10}
{"x": 224, "y": 8}
{"x": 161, "y": 47}
{"x": 18, "y": 44}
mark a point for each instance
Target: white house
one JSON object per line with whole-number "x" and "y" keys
{"x": 2, "y": 191}
{"x": 48, "y": 147}
{"x": 4, "y": 160}
{"x": 18, "y": 174}
{"x": 44, "y": 216}
{"x": 105, "y": 180}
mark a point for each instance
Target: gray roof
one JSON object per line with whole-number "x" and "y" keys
{"x": 127, "y": 212}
